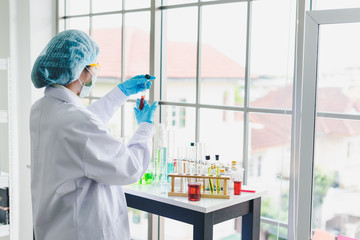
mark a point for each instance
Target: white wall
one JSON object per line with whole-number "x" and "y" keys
{"x": 32, "y": 23}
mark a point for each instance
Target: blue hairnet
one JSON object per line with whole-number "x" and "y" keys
{"x": 64, "y": 58}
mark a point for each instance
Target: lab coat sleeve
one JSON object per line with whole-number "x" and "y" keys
{"x": 106, "y": 106}
{"x": 111, "y": 161}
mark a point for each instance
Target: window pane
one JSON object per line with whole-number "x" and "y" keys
{"x": 230, "y": 229}
{"x": 107, "y": 33}
{"x": 222, "y": 133}
{"x": 137, "y": 45}
{"x": 77, "y": 7}
{"x": 223, "y": 54}
{"x": 176, "y": 230}
{"x": 106, "y": 6}
{"x": 61, "y": 8}
{"x": 181, "y": 120}
{"x": 172, "y": 2}
{"x": 61, "y": 25}
{"x": 131, "y": 4}
{"x": 82, "y": 24}
{"x": 334, "y": 4}
{"x": 181, "y": 55}
{"x": 138, "y": 223}
{"x": 102, "y": 87}
{"x": 269, "y": 162}
{"x": 339, "y": 69}
{"x": 272, "y": 53}
{"x": 272, "y": 232}
{"x": 336, "y": 190}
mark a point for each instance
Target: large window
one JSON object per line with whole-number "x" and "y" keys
{"x": 226, "y": 75}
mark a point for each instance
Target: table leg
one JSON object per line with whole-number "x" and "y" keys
{"x": 203, "y": 227}
{"x": 251, "y": 222}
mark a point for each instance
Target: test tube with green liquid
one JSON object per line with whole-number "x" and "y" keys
{"x": 211, "y": 184}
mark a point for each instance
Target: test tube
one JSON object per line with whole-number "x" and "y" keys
{"x": 200, "y": 149}
{"x": 142, "y": 100}
{"x": 211, "y": 184}
{"x": 171, "y": 152}
{"x": 187, "y": 160}
{"x": 143, "y": 95}
{"x": 217, "y": 171}
{"x": 192, "y": 158}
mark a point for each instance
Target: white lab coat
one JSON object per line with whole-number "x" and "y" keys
{"x": 77, "y": 167}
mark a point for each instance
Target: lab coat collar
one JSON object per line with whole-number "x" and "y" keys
{"x": 63, "y": 95}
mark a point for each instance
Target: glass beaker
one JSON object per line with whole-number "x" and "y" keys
{"x": 238, "y": 178}
{"x": 194, "y": 191}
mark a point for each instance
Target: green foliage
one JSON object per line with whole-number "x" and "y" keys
{"x": 274, "y": 211}
{"x": 270, "y": 210}
{"x": 323, "y": 180}
{"x": 239, "y": 100}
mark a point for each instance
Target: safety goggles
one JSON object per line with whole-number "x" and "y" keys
{"x": 95, "y": 67}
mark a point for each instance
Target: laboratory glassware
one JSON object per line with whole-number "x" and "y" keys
{"x": 194, "y": 191}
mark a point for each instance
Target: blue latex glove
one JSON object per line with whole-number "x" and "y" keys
{"x": 135, "y": 85}
{"x": 147, "y": 113}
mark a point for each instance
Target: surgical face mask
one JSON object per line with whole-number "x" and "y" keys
{"x": 85, "y": 90}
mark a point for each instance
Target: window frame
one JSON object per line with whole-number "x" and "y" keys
{"x": 309, "y": 114}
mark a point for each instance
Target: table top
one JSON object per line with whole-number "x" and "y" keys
{"x": 159, "y": 192}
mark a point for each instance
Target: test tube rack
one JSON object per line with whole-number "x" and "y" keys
{"x": 224, "y": 194}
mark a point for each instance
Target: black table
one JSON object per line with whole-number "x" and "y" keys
{"x": 202, "y": 215}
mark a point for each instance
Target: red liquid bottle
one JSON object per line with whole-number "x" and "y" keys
{"x": 142, "y": 100}
{"x": 237, "y": 187}
{"x": 194, "y": 191}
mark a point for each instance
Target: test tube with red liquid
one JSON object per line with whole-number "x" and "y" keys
{"x": 194, "y": 191}
{"x": 142, "y": 99}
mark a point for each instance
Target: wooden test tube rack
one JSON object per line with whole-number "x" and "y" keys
{"x": 202, "y": 179}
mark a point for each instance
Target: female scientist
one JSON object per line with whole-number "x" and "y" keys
{"x": 77, "y": 167}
